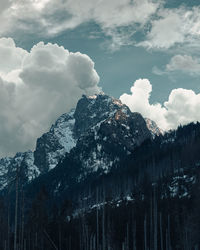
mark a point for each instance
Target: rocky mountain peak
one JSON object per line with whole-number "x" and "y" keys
{"x": 91, "y": 110}
{"x": 97, "y": 132}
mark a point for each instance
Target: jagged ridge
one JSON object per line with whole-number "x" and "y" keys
{"x": 97, "y": 133}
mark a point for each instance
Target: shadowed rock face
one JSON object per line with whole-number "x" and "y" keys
{"x": 99, "y": 132}
{"x": 110, "y": 140}
{"x": 107, "y": 131}
{"x": 92, "y": 110}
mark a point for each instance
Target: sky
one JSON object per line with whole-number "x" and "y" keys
{"x": 145, "y": 52}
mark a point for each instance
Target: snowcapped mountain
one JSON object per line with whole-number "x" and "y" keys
{"x": 97, "y": 134}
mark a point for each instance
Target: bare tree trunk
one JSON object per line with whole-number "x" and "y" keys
{"x": 5, "y": 245}
{"x": 60, "y": 238}
{"x": 29, "y": 241}
{"x": 103, "y": 223}
{"x": 127, "y": 237}
{"x": 97, "y": 218}
{"x": 91, "y": 241}
{"x": 155, "y": 221}
{"x": 134, "y": 236}
{"x": 22, "y": 230}
{"x": 16, "y": 208}
{"x": 70, "y": 243}
{"x": 94, "y": 242}
{"x": 167, "y": 243}
{"x": 36, "y": 239}
{"x": 24, "y": 244}
{"x": 151, "y": 224}
{"x": 145, "y": 233}
{"x": 161, "y": 233}
{"x": 169, "y": 237}
{"x": 8, "y": 222}
{"x": 50, "y": 240}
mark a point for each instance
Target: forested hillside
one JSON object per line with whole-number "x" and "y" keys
{"x": 148, "y": 200}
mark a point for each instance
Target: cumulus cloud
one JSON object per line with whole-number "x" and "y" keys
{"x": 138, "y": 101}
{"x": 37, "y": 87}
{"x": 182, "y": 107}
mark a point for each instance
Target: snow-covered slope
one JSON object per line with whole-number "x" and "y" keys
{"x": 53, "y": 145}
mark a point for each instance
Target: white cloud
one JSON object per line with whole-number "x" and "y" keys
{"x": 108, "y": 14}
{"x": 118, "y": 20}
{"x": 50, "y": 17}
{"x": 111, "y": 14}
{"x": 165, "y": 31}
{"x": 138, "y": 101}
{"x": 173, "y": 26}
{"x": 182, "y": 107}
{"x": 184, "y": 63}
{"x": 11, "y": 57}
{"x": 37, "y": 87}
